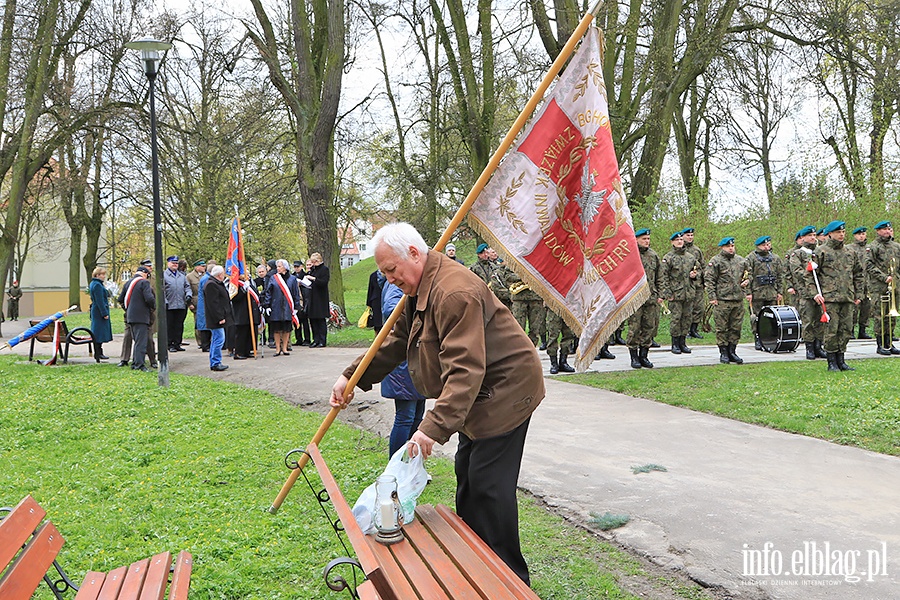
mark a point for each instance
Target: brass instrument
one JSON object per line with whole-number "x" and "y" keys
{"x": 518, "y": 288}
{"x": 665, "y": 308}
{"x": 888, "y": 306}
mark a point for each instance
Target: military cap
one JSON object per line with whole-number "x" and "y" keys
{"x": 641, "y": 232}
{"x": 833, "y": 226}
{"x": 143, "y": 270}
{"x": 197, "y": 263}
{"x": 146, "y": 262}
{"x": 805, "y": 231}
{"x": 173, "y": 258}
{"x": 298, "y": 263}
{"x": 883, "y": 224}
{"x": 687, "y": 230}
{"x": 860, "y": 230}
{"x": 725, "y": 241}
{"x": 481, "y": 248}
{"x": 675, "y": 235}
{"x": 762, "y": 240}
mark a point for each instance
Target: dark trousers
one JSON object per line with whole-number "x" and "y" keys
{"x": 243, "y": 341}
{"x": 487, "y": 472}
{"x": 319, "y": 331}
{"x": 139, "y": 334}
{"x": 302, "y": 333}
{"x": 175, "y": 326}
{"x": 205, "y": 335}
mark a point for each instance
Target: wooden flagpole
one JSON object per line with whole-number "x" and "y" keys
{"x": 249, "y": 302}
{"x": 461, "y": 213}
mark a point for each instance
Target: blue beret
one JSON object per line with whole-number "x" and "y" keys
{"x": 641, "y": 232}
{"x": 805, "y": 231}
{"x": 726, "y": 240}
{"x": 859, "y": 230}
{"x": 481, "y": 248}
{"x": 762, "y": 240}
{"x": 677, "y": 234}
{"x": 687, "y": 230}
{"x": 883, "y": 224}
{"x": 833, "y": 226}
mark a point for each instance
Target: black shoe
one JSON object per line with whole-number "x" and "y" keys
{"x": 272, "y": 345}
{"x": 683, "y": 344}
{"x": 102, "y": 357}
{"x": 239, "y": 357}
{"x": 832, "y": 361}
{"x": 757, "y": 345}
{"x": 140, "y": 368}
{"x": 564, "y": 366}
{"x": 820, "y": 349}
{"x": 618, "y": 339}
{"x": 642, "y": 356}
{"x": 635, "y": 359}
{"x": 862, "y": 333}
{"x": 882, "y": 350}
{"x": 894, "y": 350}
{"x": 810, "y": 350}
{"x": 693, "y": 333}
{"x": 304, "y": 343}
{"x": 723, "y": 355}
{"x": 605, "y": 353}
{"x": 154, "y": 365}
{"x": 554, "y": 365}
{"x": 204, "y": 349}
{"x": 654, "y": 344}
{"x": 543, "y": 346}
{"x": 842, "y": 364}
{"x": 676, "y": 347}
{"x": 122, "y": 363}
{"x": 219, "y": 367}
{"x": 732, "y": 348}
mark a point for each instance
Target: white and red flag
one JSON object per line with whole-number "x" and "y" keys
{"x": 557, "y": 209}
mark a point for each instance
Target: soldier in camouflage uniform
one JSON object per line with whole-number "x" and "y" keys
{"x": 557, "y": 327}
{"x": 699, "y": 305}
{"x": 766, "y": 270}
{"x": 492, "y": 273}
{"x": 882, "y": 266}
{"x": 680, "y": 276}
{"x": 724, "y": 275}
{"x": 805, "y": 291}
{"x": 841, "y": 279}
{"x": 527, "y": 307}
{"x": 862, "y": 312}
{"x": 644, "y": 322}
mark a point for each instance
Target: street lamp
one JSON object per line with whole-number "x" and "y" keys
{"x": 150, "y": 50}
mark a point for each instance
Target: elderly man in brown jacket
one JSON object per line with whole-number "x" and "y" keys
{"x": 466, "y": 350}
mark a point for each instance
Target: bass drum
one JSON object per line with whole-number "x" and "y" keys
{"x": 779, "y": 328}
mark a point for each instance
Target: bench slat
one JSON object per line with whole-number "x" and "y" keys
{"x": 157, "y": 579}
{"x": 31, "y": 565}
{"x": 443, "y": 566}
{"x": 417, "y": 569}
{"x": 134, "y": 580}
{"x": 393, "y": 584}
{"x": 17, "y": 527}
{"x": 181, "y": 578}
{"x": 91, "y": 586}
{"x": 112, "y": 584}
{"x": 366, "y": 591}
{"x": 485, "y": 553}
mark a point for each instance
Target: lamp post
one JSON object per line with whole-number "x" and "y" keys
{"x": 150, "y": 50}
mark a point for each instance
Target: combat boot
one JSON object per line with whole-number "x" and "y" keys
{"x": 832, "y": 361}
{"x": 617, "y": 339}
{"x": 635, "y": 358}
{"x": 683, "y": 345}
{"x": 554, "y": 365}
{"x": 605, "y": 353}
{"x": 820, "y": 350}
{"x": 862, "y": 333}
{"x": 732, "y": 355}
{"x": 894, "y": 350}
{"x": 694, "y": 332}
{"x": 676, "y": 347}
{"x": 654, "y": 344}
{"x": 642, "y": 356}
{"x": 882, "y": 350}
{"x": 723, "y": 355}
{"x": 810, "y": 351}
{"x": 842, "y": 364}
{"x": 564, "y": 366}
{"x": 757, "y": 345}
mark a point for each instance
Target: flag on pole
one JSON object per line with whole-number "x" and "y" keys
{"x": 234, "y": 261}
{"x": 557, "y": 209}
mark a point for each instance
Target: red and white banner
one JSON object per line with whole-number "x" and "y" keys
{"x": 557, "y": 209}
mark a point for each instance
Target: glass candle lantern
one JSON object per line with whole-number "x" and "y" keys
{"x": 387, "y": 510}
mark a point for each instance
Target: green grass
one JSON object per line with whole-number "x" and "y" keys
{"x": 859, "y": 408}
{"x": 126, "y": 469}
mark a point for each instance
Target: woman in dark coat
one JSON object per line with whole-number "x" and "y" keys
{"x": 373, "y": 299}
{"x": 319, "y": 303}
{"x": 281, "y": 311}
{"x": 243, "y": 343}
{"x": 100, "y": 325}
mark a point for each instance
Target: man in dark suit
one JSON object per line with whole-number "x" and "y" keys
{"x": 218, "y": 315}
{"x": 319, "y": 302}
{"x": 140, "y": 301}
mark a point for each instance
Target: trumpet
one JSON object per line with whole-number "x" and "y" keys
{"x": 665, "y": 308}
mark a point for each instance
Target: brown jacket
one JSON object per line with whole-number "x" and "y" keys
{"x": 464, "y": 349}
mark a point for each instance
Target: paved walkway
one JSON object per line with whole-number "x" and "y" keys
{"x": 735, "y": 498}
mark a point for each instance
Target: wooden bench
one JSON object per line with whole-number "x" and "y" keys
{"x": 28, "y": 550}
{"x": 441, "y": 558}
{"x": 66, "y": 337}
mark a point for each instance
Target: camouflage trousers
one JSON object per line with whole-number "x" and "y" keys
{"x": 698, "y": 307}
{"x": 884, "y": 328}
{"x": 811, "y": 319}
{"x": 729, "y": 318}
{"x": 839, "y": 329}
{"x": 532, "y": 313}
{"x": 642, "y": 325}
{"x": 557, "y": 327}
{"x": 863, "y": 311}
{"x": 682, "y": 313}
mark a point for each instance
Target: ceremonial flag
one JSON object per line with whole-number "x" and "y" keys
{"x": 557, "y": 209}
{"x": 234, "y": 261}
{"x": 36, "y": 329}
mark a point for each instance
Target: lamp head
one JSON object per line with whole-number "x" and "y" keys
{"x": 150, "y": 49}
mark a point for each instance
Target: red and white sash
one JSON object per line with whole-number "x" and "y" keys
{"x": 131, "y": 287}
{"x": 288, "y": 298}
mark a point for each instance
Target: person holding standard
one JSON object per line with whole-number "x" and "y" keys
{"x": 465, "y": 349}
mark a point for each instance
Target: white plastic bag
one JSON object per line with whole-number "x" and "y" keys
{"x": 411, "y": 480}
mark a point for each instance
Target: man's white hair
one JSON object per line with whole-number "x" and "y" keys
{"x": 216, "y": 271}
{"x": 283, "y": 263}
{"x": 399, "y": 237}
